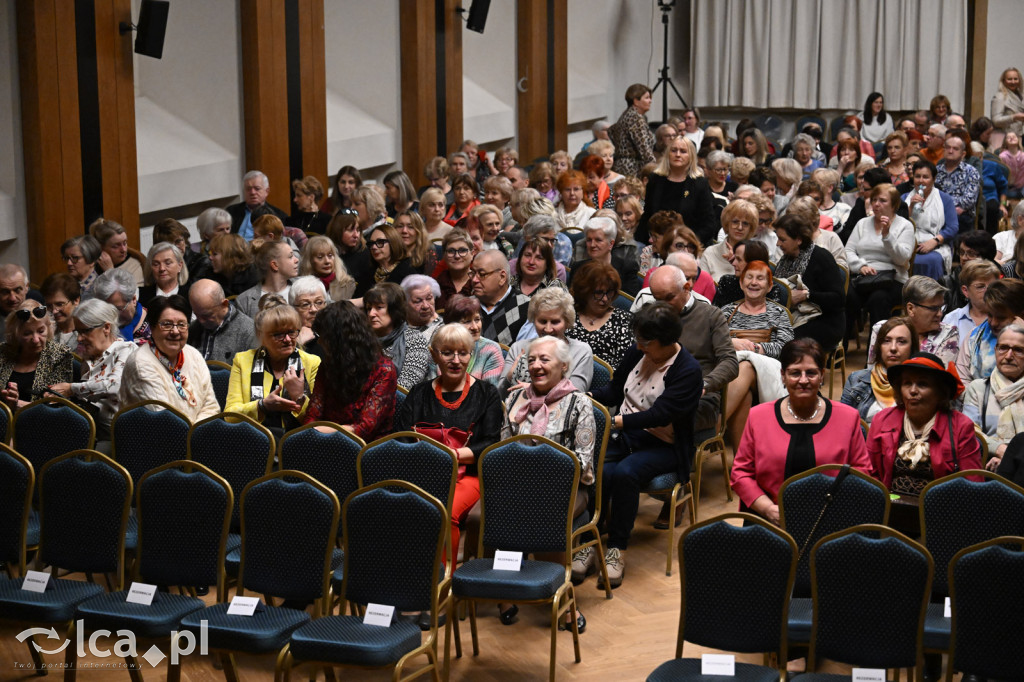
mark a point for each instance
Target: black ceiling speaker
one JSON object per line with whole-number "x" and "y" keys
{"x": 149, "y": 36}
{"x": 478, "y": 15}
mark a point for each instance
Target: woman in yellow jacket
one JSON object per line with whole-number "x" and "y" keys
{"x": 272, "y": 383}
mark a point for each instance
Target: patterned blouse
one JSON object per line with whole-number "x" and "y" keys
{"x": 570, "y": 424}
{"x": 634, "y": 142}
{"x": 649, "y": 259}
{"x": 611, "y": 341}
{"x": 775, "y": 318}
{"x": 102, "y": 382}
{"x": 944, "y": 342}
{"x": 371, "y": 414}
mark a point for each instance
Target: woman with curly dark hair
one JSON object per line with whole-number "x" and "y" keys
{"x": 356, "y": 382}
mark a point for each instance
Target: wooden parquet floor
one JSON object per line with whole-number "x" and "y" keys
{"x": 626, "y": 637}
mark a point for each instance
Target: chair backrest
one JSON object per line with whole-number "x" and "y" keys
{"x": 17, "y": 481}
{"x": 716, "y": 568}
{"x": 49, "y": 427}
{"x": 400, "y": 394}
{"x": 412, "y": 457}
{"x": 527, "y": 491}
{"x": 394, "y": 535}
{"x": 184, "y": 511}
{"x": 329, "y": 457}
{"x": 602, "y": 374}
{"x": 147, "y": 435}
{"x": 220, "y": 378}
{"x": 84, "y": 498}
{"x": 6, "y": 421}
{"x": 622, "y": 302}
{"x": 958, "y": 513}
{"x": 870, "y": 596}
{"x": 858, "y": 499}
{"x": 988, "y": 618}
{"x": 288, "y": 533}
{"x": 240, "y": 450}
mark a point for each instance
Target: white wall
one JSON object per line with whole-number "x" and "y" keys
{"x": 188, "y": 109}
{"x": 1005, "y": 18}
{"x": 13, "y": 227}
{"x": 489, "y": 77}
{"x": 363, "y": 89}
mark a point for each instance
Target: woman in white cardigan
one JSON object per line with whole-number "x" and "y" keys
{"x": 167, "y": 368}
{"x": 878, "y": 253}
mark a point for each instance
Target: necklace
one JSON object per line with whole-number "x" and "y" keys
{"x": 462, "y": 396}
{"x": 817, "y": 407}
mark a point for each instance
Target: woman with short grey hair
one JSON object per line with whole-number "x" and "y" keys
{"x": 80, "y": 255}
{"x": 924, "y": 306}
{"x": 803, "y": 153}
{"x": 551, "y": 312}
{"x": 308, "y": 295}
{"x": 166, "y": 273}
{"x": 210, "y": 223}
{"x": 104, "y": 353}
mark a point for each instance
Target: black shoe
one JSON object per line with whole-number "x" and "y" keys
{"x": 424, "y": 620}
{"x": 581, "y": 623}
{"x": 508, "y": 616}
{"x": 203, "y": 590}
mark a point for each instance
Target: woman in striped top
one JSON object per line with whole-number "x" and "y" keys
{"x": 760, "y": 328}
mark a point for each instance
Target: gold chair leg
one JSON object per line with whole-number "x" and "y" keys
{"x": 671, "y": 527}
{"x": 458, "y": 634}
{"x": 472, "y": 627}
{"x": 603, "y": 566}
{"x": 575, "y": 624}
{"x": 227, "y": 659}
{"x": 554, "y": 641}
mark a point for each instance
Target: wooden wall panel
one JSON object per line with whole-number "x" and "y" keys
{"x": 560, "y": 48}
{"x": 542, "y": 59}
{"x": 452, "y": 97}
{"x": 314, "y": 90}
{"x": 50, "y": 129}
{"x": 977, "y": 39}
{"x": 265, "y": 95}
{"x": 419, "y": 86}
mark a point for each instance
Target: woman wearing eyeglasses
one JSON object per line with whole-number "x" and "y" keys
{"x": 389, "y": 258}
{"x": 923, "y": 299}
{"x": 407, "y": 348}
{"x": 31, "y": 360}
{"x": 458, "y": 256}
{"x": 739, "y": 220}
{"x": 598, "y": 322}
{"x": 80, "y": 255}
{"x": 272, "y": 383}
{"x": 468, "y": 410}
{"x": 487, "y": 361}
{"x": 166, "y": 368}
{"x": 105, "y": 354}
{"x": 308, "y": 296}
{"x": 62, "y": 295}
{"x": 798, "y": 432}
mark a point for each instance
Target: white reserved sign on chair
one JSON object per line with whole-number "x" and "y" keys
{"x": 947, "y": 610}
{"x": 141, "y": 593}
{"x": 507, "y": 561}
{"x": 243, "y": 606}
{"x": 379, "y": 615}
{"x": 718, "y": 664}
{"x": 35, "y": 581}
{"x": 868, "y": 675}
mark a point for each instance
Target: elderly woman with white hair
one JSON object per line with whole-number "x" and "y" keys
{"x": 803, "y": 153}
{"x": 308, "y": 295}
{"x": 118, "y": 288}
{"x": 210, "y": 223}
{"x": 600, "y": 234}
{"x": 105, "y": 354}
{"x": 551, "y": 312}
{"x": 166, "y": 273}
{"x": 996, "y": 403}
{"x": 421, "y": 294}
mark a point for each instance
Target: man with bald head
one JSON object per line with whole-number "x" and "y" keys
{"x": 705, "y": 335}
{"x": 220, "y": 329}
{"x": 502, "y": 308}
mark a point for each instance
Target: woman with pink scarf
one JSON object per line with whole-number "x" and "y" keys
{"x": 552, "y": 407}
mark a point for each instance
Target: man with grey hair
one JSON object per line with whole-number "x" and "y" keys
{"x": 502, "y": 309}
{"x": 220, "y": 330}
{"x": 255, "y": 187}
{"x": 118, "y": 288}
{"x": 959, "y": 180}
{"x": 421, "y": 293}
{"x": 13, "y": 291}
{"x": 685, "y": 262}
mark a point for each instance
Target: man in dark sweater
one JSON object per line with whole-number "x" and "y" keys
{"x": 705, "y": 335}
{"x": 220, "y": 329}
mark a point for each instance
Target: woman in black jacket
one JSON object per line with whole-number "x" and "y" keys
{"x": 656, "y": 387}
{"x": 677, "y": 185}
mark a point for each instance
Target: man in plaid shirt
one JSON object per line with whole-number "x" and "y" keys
{"x": 502, "y": 308}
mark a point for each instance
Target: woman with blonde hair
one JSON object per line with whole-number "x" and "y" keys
{"x": 369, "y": 207}
{"x": 31, "y": 360}
{"x": 677, "y": 184}
{"x": 739, "y": 220}
{"x": 432, "y": 209}
{"x": 413, "y": 232}
{"x": 320, "y": 258}
{"x": 605, "y": 150}
{"x": 788, "y": 174}
{"x": 1008, "y": 103}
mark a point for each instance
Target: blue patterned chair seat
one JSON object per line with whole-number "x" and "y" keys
{"x": 234, "y": 556}
{"x": 266, "y": 630}
{"x": 344, "y": 639}
{"x": 32, "y": 531}
{"x": 800, "y": 613}
{"x": 663, "y": 481}
{"x": 55, "y": 605}
{"x": 131, "y": 533}
{"x": 689, "y": 669}
{"x": 476, "y": 579}
{"x": 936, "y": 628}
{"x": 233, "y": 544}
{"x": 111, "y": 611}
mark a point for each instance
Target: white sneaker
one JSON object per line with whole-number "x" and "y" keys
{"x": 584, "y": 562}
{"x": 615, "y": 560}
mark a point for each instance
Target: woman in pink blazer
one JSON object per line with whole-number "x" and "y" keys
{"x": 794, "y": 434}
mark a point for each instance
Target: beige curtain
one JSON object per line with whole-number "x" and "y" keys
{"x": 827, "y": 54}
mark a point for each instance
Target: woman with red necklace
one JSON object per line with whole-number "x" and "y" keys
{"x": 468, "y": 410}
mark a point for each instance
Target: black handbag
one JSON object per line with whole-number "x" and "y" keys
{"x": 880, "y": 281}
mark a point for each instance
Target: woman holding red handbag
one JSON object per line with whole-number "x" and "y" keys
{"x": 458, "y": 410}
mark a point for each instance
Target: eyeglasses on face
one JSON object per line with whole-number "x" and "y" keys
{"x": 23, "y": 314}
{"x": 348, "y": 211}
{"x": 306, "y": 305}
{"x": 1003, "y": 349}
{"x": 457, "y": 252}
{"x": 286, "y": 335}
{"x": 932, "y": 308}
{"x": 378, "y": 243}
{"x": 167, "y": 325}
{"x": 449, "y": 354}
{"x": 796, "y": 374}
{"x": 480, "y": 274}
{"x": 604, "y": 294}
